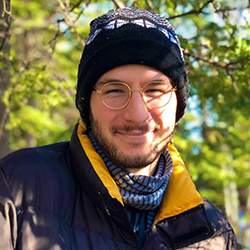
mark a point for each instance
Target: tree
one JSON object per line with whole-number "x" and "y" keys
{"x": 46, "y": 42}
{"x": 5, "y": 20}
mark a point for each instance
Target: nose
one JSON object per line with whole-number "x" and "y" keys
{"x": 136, "y": 112}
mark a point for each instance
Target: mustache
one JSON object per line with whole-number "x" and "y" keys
{"x": 128, "y": 128}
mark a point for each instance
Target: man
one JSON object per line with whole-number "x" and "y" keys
{"x": 119, "y": 183}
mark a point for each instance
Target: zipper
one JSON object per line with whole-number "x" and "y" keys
{"x": 104, "y": 205}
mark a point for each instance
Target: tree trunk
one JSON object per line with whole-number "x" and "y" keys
{"x": 231, "y": 197}
{"x": 5, "y": 18}
{"x": 246, "y": 232}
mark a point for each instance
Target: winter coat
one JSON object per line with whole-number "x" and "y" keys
{"x": 62, "y": 197}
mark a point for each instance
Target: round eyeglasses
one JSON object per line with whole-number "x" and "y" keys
{"x": 116, "y": 95}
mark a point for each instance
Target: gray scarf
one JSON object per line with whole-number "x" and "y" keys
{"x": 139, "y": 191}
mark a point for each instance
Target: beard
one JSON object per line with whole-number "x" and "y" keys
{"x": 119, "y": 157}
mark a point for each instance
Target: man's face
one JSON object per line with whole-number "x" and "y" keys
{"x": 132, "y": 137}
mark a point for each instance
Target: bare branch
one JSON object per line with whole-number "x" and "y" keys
{"x": 68, "y": 21}
{"x": 58, "y": 33}
{"x": 6, "y": 34}
{"x": 150, "y": 5}
{"x": 193, "y": 11}
{"x": 226, "y": 66}
{"x": 5, "y": 20}
{"x": 232, "y": 78}
{"x": 225, "y": 10}
{"x": 4, "y": 119}
{"x": 83, "y": 9}
{"x": 62, "y": 5}
{"x": 2, "y": 8}
{"x": 118, "y": 4}
{"x": 76, "y": 5}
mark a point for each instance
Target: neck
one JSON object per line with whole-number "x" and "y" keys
{"x": 146, "y": 171}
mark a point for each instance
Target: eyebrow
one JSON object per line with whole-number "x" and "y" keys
{"x": 108, "y": 80}
{"x": 157, "y": 81}
{"x": 160, "y": 81}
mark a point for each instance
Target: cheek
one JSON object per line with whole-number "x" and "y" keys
{"x": 100, "y": 112}
{"x": 97, "y": 108}
{"x": 169, "y": 114}
{"x": 94, "y": 103}
{"x": 165, "y": 117}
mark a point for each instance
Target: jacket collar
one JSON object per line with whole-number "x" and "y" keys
{"x": 82, "y": 167}
{"x": 180, "y": 196}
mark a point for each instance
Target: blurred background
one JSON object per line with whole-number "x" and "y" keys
{"x": 40, "y": 47}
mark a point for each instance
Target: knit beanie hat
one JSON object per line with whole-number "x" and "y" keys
{"x": 130, "y": 36}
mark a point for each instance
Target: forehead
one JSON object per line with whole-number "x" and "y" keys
{"x": 133, "y": 75}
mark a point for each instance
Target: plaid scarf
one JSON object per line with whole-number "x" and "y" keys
{"x": 139, "y": 191}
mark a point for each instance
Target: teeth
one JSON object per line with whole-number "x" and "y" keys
{"x": 136, "y": 132}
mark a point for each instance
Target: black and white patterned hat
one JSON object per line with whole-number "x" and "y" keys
{"x": 130, "y": 36}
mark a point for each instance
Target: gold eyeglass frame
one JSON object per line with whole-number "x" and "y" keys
{"x": 99, "y": 91}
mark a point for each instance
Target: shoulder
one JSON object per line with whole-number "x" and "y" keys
{"x": 36, "y": 175}
{"x": 223, "y": 234}
{"x": 37, "y": 158}
{"x": 217, "y": 219}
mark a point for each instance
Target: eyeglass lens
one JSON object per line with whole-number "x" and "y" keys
{"x": 117, "y": 94}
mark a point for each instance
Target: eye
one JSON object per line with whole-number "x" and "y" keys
{"x": 154, "y": 90}
{"x": 114, "y": 89}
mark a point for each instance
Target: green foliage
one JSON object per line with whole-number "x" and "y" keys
{"x": 47, "y": 39}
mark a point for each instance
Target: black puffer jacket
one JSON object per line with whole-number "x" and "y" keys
{"x": 61, "y": 197}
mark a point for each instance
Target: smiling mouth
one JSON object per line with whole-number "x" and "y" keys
{"x": 137, "y": 133}
{"x": 142, "y": 130}
{"x": 134, "y": 133}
